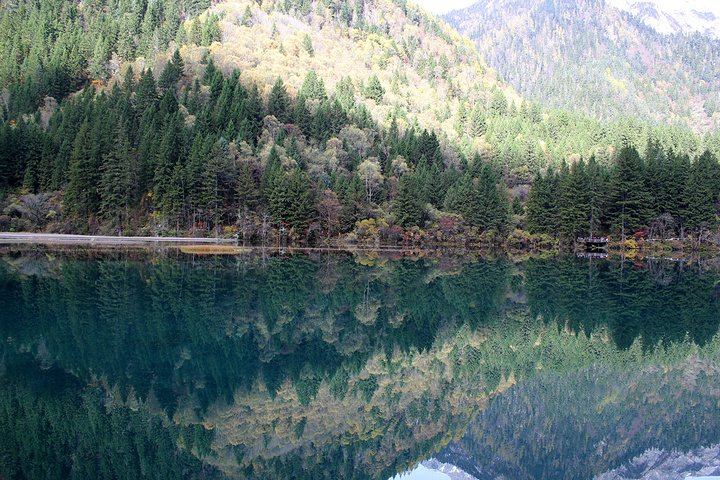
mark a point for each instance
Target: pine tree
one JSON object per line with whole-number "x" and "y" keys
{"x": 250, "y": 118}
{"x": 374, "y": 89}
{"x": 345, "y": 93}
{"x": 194, "y": 171}
{"x": 498, "y": 104}
{"x": 628, "y": 192}
{"x": 172, "y": 72}
{"x": 146, "y": 95}
{"x": 313, "y": 87}
{"x": 279, "y": 102}
{"x": 167, "y": 156}
{"x": 308, "y": 46}
{"x": 299, "y": 212}
{"x": 517, "y": 206}
{"x": 81, "y": 197}
{"x": 408, "y": 206}
{"x": 541, "y": 204}
{"x": 218, "y": 182}
{"x": 596, "y": 193}
{"x": 247, "y": 191}
{"x": 477, "y": 121}
{"x": 117, "y": 180}
{"x": 701, "y": 194}
{"x": 573, "y": 205}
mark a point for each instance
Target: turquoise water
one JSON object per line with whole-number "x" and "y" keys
{"x": 162, "y": 364}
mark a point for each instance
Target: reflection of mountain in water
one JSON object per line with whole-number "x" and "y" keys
{"x": 348, "y": 367}
{"x": 581, "y": 424}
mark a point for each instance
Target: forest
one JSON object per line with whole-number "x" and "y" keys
{"x": 186, "y": 145}
{"x": 603, "y": 61}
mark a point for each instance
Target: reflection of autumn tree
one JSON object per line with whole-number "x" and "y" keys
{"x": 367, "y": 310}
{"x": 329, "y": 208}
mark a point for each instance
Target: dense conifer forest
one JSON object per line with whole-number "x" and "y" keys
{"x": 130, "y": 119}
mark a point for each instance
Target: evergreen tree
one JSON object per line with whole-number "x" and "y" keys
{"x": 541, "y": 204}
{"x": 279, "y": 102}
{"x": 408, "y": 205}
{"x": 146, "y": 95}
{"x": 628, "y": 193}
{"x": 117, "y": 180}
{"x": 374, "y": 89}
{"x": 517, "y": 206}
{"x": 573, "y": 205}
{"x": 477, "y": 121}
{"x": 247, "y": 191}
{"x": 172, "y": 72}
{"x": 251, "y": 116}
{"x": 313, "y": 87}
{"x": 218, "y": 182}
{"x": 301, "y": 116}
{"x": 596, "y": 193}
{"x": 194, "y": 176}
{"x": 308, "y": 46}
{"x": 702, "y": 192}
{"x": 81, "y": 197}
{"x": 498, "y": 103}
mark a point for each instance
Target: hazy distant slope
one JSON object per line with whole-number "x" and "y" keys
{"x": 589, "y": 56}
{"x": 680, "y": 17}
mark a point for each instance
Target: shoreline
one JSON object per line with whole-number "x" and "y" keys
{"x": 70, "y": 239}
{"x": 229, "y": 246}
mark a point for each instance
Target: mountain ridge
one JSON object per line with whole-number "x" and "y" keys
{"x": 681, "y": 18}
{"x": 591, "y": 57}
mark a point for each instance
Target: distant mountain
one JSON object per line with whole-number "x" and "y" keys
{"x": 590, "y": 57}
{"x": 681, "y": 18}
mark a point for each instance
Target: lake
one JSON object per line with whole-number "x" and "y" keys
{"x": 154, "y": 363}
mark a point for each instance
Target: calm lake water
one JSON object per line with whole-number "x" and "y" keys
{"x": 161, "y": 364}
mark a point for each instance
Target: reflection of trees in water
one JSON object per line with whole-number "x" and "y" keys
{"x": 661, "y": 272}
{"x": 577, "y": 425}
{"x": 230, "y": 322}
{"x": 56, "y": 427}
{"x": 198, "y": 333}
{"x": 663, "y": 303}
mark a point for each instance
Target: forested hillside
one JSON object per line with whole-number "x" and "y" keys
{"x": 311, "y": 119}
{"x": 603, "y": 62}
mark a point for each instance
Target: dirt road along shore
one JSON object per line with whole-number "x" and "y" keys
{"x": 55, "y": 238}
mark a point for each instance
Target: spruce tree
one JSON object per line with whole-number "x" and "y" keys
{"x": 81, "y": 197}
{"x": 573, "y": 205}
{"x": 279, "y": 102}
{"x": 146, "y": 95}
{"x": 628, "y": 192}
{"x": 408, "y": 205}
{"x": 541, "y": 204}
{"x": 374, "y": 89}
{"x": 117, "y": 180}
{"x": 701, "y": 194}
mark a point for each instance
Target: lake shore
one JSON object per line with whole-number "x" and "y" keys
{"x": 67, "y": 239}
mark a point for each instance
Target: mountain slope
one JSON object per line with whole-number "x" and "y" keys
{"x": 590, "y": 56}
{"x": 363, "y": 110}
{"x": 424, "y": 66}
{"x": 681, "y": 17}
